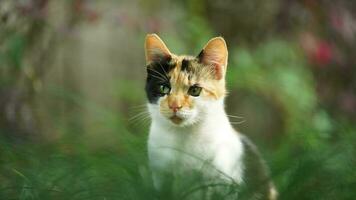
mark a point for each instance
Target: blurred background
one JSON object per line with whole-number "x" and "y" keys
{"x": 72, "y": 104}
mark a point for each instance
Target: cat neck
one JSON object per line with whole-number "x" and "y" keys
{"x": 216, "y": 114}
{"x": 215, "y": 119}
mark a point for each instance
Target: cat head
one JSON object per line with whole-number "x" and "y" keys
{"x": 182, "y": 89}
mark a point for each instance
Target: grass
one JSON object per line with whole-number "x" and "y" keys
{"x": 72, "y": 170}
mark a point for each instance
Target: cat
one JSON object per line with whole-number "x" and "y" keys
{"x": 190, "y": 130}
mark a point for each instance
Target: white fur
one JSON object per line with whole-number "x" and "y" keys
{"x": 205, "y": 138}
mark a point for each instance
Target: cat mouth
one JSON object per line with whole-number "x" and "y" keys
{"x": 176, "y": 120}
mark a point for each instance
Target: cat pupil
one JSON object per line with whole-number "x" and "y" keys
{"x": 194, "y": 90}
{"x": 164, "y": 89}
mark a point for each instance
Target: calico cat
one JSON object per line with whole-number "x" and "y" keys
{"x": 190, "y": 130}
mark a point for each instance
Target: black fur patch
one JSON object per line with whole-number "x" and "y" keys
{"x": 256, "y": 176}
{"x": 157, "y": 74}
{"x": 200, "y": 56}
{"x": 185, "y": 65}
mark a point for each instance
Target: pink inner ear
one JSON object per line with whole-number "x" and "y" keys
{"x": 156, "y": 55}
{"x": 218, "y": 71}
{"x": 215, "y": 54}
{"x": 212, "y": 56}
{"x": 155, "y": 48}
{"x": 213, "y": 59}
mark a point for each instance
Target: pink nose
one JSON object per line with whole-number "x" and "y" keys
{"x": 175, "y": 107}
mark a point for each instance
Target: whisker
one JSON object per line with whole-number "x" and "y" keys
{"x": 163, "y": 68}
{"x": 240, "y": 122}
{"x": 138, "y": 106}
{"x": 158, "y": 77}
{"x": 138, "y": 115}
{"x": 160, "y": 74}
{"x": 145, "y": 121}
{"x": 235, "y": 116}
{"x": 140, "y": 120}
{"x": 137, "y": 109}
{"x": 134, "y": 111}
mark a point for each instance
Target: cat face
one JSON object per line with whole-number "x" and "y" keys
{"x": 181, "y": 89}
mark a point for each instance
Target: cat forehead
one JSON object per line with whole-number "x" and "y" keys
{"x": 184, "y": 62}
{"x": 189, "y": 67}
{"x": 180, "y": 70}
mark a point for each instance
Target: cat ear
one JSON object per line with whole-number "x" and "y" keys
{"x": 215, "y": 54}
{"x": 155, "y": 49}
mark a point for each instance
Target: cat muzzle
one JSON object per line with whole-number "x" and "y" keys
{"x": 176, "y": 120}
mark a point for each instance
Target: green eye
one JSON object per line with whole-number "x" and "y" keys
{"x": 194, "y": 91}
{"x": 164, "y": 89}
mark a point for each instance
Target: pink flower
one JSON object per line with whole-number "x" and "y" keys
{"x": 323, "y": 53}
{"x": 318, "y": 51}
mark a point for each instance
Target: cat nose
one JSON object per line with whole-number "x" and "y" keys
{"x": 175, "y": 107}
